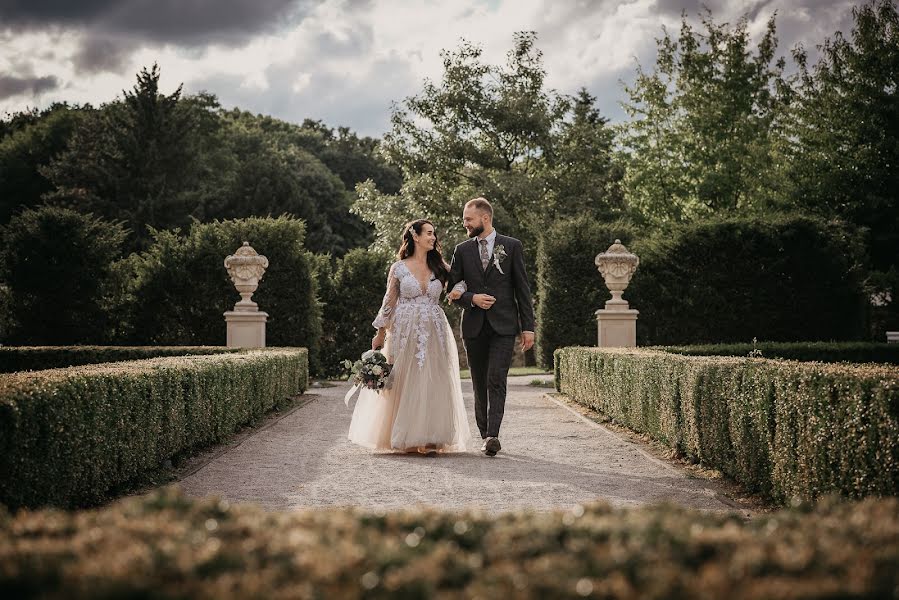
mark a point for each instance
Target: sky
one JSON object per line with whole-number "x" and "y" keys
{"x": 346, "y": 61}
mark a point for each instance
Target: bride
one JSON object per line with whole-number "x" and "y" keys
{"x": 421, "y": 409}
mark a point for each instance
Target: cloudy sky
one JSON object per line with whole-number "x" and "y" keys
{"x": 344, "y": 61}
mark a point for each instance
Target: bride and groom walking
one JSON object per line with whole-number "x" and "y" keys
{"x": 422, "y": 409}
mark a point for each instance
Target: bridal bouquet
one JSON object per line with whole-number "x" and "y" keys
{"x": 370, "y": 371}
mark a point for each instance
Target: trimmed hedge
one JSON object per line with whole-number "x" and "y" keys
{"x": 569, "y": 286}
{"x": 784, "y": 429}
{"x": 351, "y": 298}
{"x": 71, "y": 437}
{"x": 166, "y": 545}
{"x": 777, "y": 278}
{"x": 177, "y": 289}
{"x": 855, "y": 352}
{"x": 36, "y": 358}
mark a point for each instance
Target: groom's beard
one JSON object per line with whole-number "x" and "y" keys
{"x": 476, "y": 231}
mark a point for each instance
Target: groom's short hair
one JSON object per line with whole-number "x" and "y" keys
{"x": 481, "y": 204}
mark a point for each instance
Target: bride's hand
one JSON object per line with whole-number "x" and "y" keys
{"x": 377, "y": 342}
{"x": 454, "y": 295}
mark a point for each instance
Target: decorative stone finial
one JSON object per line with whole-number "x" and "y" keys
{"x": 617, "y": 266}
{"x": 246, "y": 267}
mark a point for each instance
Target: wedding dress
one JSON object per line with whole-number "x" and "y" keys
{"x": 422, "y": 404}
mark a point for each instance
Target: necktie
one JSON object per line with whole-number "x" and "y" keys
{"x": 484, "y": 258}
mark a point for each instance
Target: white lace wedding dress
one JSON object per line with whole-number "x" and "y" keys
{"x": 422, "y": 404}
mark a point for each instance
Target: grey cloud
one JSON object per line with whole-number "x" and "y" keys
{"x": 188, "y": 23}
{"x": 98, "y": 54}
{"x": 11, "y": 85}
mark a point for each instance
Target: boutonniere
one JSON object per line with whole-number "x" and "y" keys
{"x": 499, "y": 254}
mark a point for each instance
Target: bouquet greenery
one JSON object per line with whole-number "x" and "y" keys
{"x": 370, "y": 371}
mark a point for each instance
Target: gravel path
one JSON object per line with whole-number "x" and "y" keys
{"x": 552, "y": 457}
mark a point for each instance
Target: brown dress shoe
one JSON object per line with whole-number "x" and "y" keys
{"x": 492, "y": 446}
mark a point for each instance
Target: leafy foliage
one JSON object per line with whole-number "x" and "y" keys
{"x": 208, "y": 547}
{"x": 703, "y": 123}
{"x": 70, "y": 437}
{"x": 31, "y": 140}
{"x": 38, "y": 358}
{"x": 784, "y": 429}
{"x": 58, "y": 266}
{"x": 178, "y": 289}
{"x": 570, "y": 287}
{"x": 350, "y": 305}
{"x": 493, "y": 131}
{"x": 782, "y": 278}
{"x": 854, "y": 352}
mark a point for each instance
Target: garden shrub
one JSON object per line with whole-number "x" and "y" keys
{"x": 777, "y": 278}
{"x": 784, "y": 429}
{"x": 72, "y": 437}
{"x": 350, "y": 305}
{"x": 855, "y": 352}
{"x": 166, "y": 545}
{"x": 57, "y": 265}
{"x": 36, "y": 358}
{"x": 179, "y": 289}
{"x": 570, "y": 288}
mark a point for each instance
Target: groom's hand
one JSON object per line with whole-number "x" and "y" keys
{"x": 484, "y": 301}
{"x": 527, "y": 340}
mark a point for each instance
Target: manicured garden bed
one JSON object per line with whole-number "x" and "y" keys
{"x": 71, "y": 437}
{"x": 783, "y": 428}
{"x": 169, "y": 546}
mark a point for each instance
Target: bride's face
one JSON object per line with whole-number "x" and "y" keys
{"x": 426, "y": 240}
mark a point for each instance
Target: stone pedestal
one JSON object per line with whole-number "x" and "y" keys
{"x": 617, "y": 322}
{"x": 246, "y": 323}
{"x": 617, "y": 328}
{"x": 245, "y": 329}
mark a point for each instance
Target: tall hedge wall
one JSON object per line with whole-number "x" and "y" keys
{"x": 71, "y": 437}
{"x": 785, "y": 429}
{"x": 781, "y": 278}
{"x": 351, "y": 300}
{"x": 176, "y": 291}
{"x": 569, "y": 286}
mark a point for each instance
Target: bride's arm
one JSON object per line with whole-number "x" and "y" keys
{"x": 384, "y": 318}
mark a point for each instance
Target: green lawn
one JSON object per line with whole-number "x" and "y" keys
{"x": 466, "y": 374}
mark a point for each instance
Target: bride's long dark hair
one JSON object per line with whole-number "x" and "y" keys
{"x": 435, "y": 258}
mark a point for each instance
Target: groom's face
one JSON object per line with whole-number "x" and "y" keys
{"x": 474, "y": 221}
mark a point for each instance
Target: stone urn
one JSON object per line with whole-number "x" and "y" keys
{"x": 617, "y": 266}
{"x": 617, "y": 322}
{"x": 245, "y": 325}
{"x": 246, "y": 267}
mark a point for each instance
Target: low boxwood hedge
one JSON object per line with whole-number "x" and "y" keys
{"x": 168, "y": 546}
{"x": 855, "y": 352}
{"x": 37, "y": 358}
{"x": 782, "y": 428}
{"x": 70, "y": 437}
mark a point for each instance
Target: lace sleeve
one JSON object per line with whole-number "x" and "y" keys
{"x": 391, "y": 296}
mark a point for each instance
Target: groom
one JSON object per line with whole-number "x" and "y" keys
{"x": 496, "y": 307}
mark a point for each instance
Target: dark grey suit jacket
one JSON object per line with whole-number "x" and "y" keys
{"x": 513, "y": 311}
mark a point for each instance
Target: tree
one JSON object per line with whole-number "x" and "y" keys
{"x": 58, "y": 265}
{"x": 843, "y": 155}
{"x": 487, "y": 130}
{"x": 703, "y": 123}
{"x": 30, "y": 142}
{"x": 136, "y": 160}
